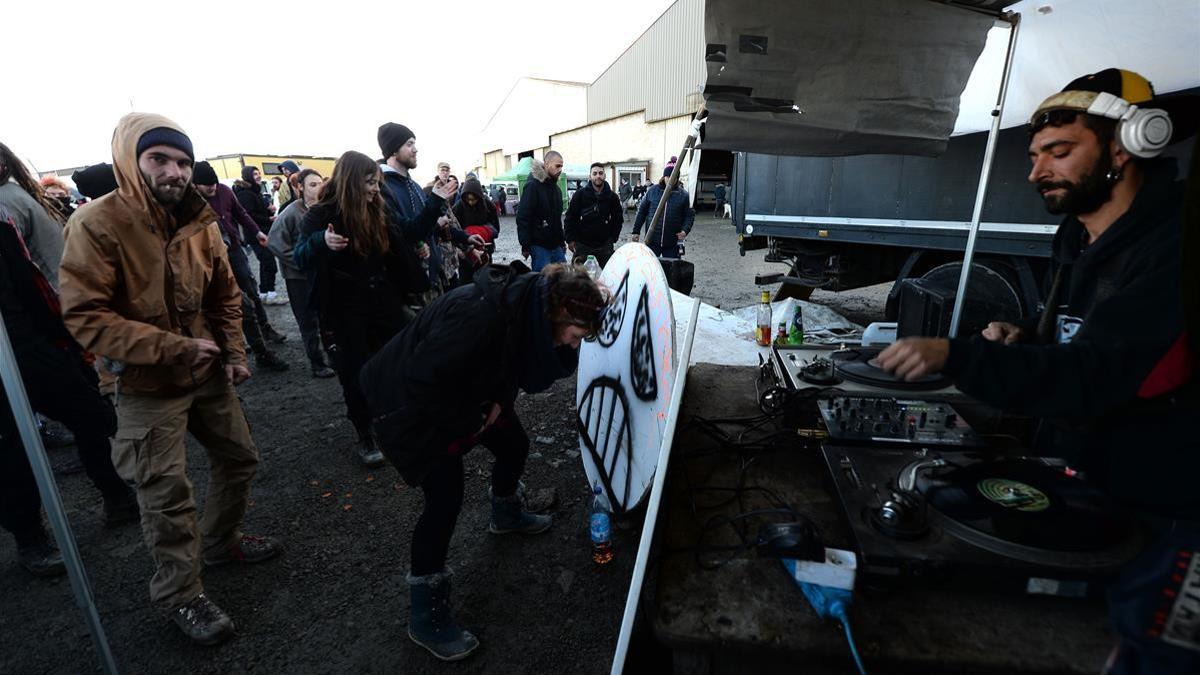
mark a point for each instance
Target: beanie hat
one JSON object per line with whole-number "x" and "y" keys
{"x": 165, "y": 136}
{"x": 391, "y": 137}
{"x": 95, "y": 181}
{"x": 291, "y": 166}
{"x": 203, "y": 174}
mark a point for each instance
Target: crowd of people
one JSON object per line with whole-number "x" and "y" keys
{"x": 132, "y": 314}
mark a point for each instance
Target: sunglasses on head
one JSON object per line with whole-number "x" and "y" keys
{"x": 1052, "y": 118}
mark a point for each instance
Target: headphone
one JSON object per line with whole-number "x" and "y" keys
{"x": 1142, "y": 132}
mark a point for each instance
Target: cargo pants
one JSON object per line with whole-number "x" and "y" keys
{"x": 149, "y": 451}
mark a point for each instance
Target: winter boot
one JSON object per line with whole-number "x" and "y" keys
{"x": 431, "y": 623}
{"x": 41, "y": 559}
{"x": 322, "y": 370}
{"x": 203, "y": 622}
{"x": 267, "y": 359}
{"x": 368, "y": 450}
{"x": 509, "y": 516}
{"x": 537, "y": 500}
{"x": 273, "y": 336}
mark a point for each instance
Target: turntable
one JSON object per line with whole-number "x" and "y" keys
{"x": 850, "y": 369}
{"x": 973, "y": 518}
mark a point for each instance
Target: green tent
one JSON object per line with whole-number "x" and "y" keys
{"x": 520, "y": 174}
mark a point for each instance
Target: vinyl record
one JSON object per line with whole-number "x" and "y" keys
{"x": 857, "y": 365}
{"x": 1028, "y": 510}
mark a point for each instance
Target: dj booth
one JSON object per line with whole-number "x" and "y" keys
{"x": 971, "y": 555}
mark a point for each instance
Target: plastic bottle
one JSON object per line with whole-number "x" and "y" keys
{"x": 592, "y": 266}
{"x": 781, "y": 334}
{"x": 600, "y": 524}
{"x": 762, "y": 330}
{"x": 796, "y": 331}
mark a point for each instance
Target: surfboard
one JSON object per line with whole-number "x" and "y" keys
{"x": 624, "y": 380}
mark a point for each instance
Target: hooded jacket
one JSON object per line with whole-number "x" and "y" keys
{"x": 426, "y": 387}
{"x": 539, "y": 214}
{"x": 482, "y": 214}
{"x": 231, "y": 215}
{"x": 677, "y": 217}
{"x": 285, "y": 232}
{"x": 1113, "y": 377}
{"x": 249, "y": 195}
{"x": 594, "y": 218}
{"x": 139, "y": 282}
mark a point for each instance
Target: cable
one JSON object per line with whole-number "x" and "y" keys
{"x": 850, "y": 641}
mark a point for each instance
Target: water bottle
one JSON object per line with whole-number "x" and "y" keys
{"x": 592, "y": 266}
{"x": 600, "y": 524}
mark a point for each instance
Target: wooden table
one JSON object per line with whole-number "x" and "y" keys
{"x": 747, "y": 615}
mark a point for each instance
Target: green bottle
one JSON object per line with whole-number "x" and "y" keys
{"x": 796, "y": 330}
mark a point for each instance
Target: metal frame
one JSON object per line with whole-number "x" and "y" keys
{"x": 22, "y": 411}
{"x": 989, "y": 154}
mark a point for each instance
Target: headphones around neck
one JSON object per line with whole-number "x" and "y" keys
{"x": 1142, "y": 132}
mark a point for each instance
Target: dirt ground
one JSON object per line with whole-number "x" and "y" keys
{"x": 337, "y": 600}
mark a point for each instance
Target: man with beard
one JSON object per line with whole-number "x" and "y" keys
{"x": 248, "y": 191}
{"x": 147, "y": 285}
{"x": 593, "y": 221}
{"x": 1107, "y": 366}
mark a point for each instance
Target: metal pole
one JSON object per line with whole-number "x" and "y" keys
{"x": 693, "y": 137}
{"x": 981, "y": 192}
{"x": 22, "y": 412}
{"x": 656, "y": 490}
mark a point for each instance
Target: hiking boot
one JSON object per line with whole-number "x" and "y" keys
{"x": 321, "y": 370}
{"x": 55, "y": 435}
{"x": 273, "y": 336}
{"x": 509, "y": 516}
{"x": 431, "y": 622}
{"x": 121, "y": 510}
{"x": 267, "y": 359}
{"x": 247, "y": 550}
{"x": 537, "y": 500}
{"x": 368, "y": 451}
{"x": 203, "y": 622}
{"x": 41, "y": 559}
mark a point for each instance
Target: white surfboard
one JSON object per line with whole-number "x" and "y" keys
{"x": 625, "y": 379}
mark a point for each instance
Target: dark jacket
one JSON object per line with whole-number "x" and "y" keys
{"x": 593, "y": 218}
{"x": 539, "y": 214}
{"x": 32, "y": 314}
{"x": 484, "y": 213}
{"x": 678, "y": 215}
{"x": 231, "y": 215}
{"x": 1109, "y": 371}
{"x": 719, "y": 193}
{"x": 408, "y": 201}
{"x": 250, "y": 196}
{"x": 476, "y": 345}
{"x": 344, "y": 279}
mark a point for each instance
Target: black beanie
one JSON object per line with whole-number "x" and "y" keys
{"x": 95, "y": 181}
{"x": 203, "y": 174}
{"x": 165, "y": 136}
{"x": 391, "y": 137}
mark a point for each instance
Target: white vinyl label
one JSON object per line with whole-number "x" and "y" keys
{"x": 1183, "y": 625}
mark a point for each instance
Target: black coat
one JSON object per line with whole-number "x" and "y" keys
{"x": 539, "y": 214}
{"x": 343, "y": 279}
{"x": 251, "y": 198}
{"x": 593, "y": 218}
{"x": 1110, "y": 379}
{"x": 428, "y": 386}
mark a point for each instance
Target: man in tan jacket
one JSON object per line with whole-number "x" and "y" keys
{"x": 146, "y": 284}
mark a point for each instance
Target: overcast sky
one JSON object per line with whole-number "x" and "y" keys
{"x": 317, "y": 80}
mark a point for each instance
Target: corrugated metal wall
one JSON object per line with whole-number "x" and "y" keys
{"x": 660, "y": 73}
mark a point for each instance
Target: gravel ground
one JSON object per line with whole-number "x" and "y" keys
{"x": 336, "y": 601}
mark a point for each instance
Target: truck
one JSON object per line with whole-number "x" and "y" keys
{"x": 841, "y": 223}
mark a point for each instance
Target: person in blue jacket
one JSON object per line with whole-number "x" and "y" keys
{"x": 676, "y": 222}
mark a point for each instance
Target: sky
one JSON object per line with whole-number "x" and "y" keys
{"x": 317, "y": 79}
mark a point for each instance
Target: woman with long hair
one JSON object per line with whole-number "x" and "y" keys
{"x": 36, "y": 217}
{"x": 361, "y": 267}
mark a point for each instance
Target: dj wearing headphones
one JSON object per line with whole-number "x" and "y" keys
{"x": 1108, "y": 365}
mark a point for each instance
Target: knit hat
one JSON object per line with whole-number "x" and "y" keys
{"x": 290, "y": 166}
{"x": 165, "y": 136}
{"x": 95, "y": 181}
{"x": 203, "y": 174}
{"x": 392, "y": 137}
